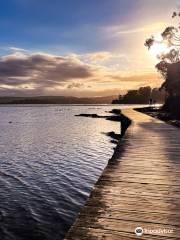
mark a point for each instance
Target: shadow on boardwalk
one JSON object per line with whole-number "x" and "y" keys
{"x": 140, "y": 187}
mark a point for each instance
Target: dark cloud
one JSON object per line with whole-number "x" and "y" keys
{"x": 41, "y": 70}
{"x": 22, "y": 73}
{"x": 75, "y": 85}
{"x": 12, "y": 81}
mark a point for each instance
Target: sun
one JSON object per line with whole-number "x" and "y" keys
{"x": 158, "y": 49}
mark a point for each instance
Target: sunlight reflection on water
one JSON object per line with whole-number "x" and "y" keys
{"x": 49, "y": 162}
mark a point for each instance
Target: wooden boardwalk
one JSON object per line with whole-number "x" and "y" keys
{"x": 141, "y": 188}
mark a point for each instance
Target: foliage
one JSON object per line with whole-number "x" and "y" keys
{"x": 141, "y": 96}
{"x": 169, "y": 64}
{"x": 171, "y": 38}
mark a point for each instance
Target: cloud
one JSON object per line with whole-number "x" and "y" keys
{"x": 40, "y": 69}
{"x": 75, "y": 85}
{"x": 127, "y": 30}
{"x": 24, "y": 73}
{"x": 146, "y": 28}
{"x": 16, "y": 49}
{"x": 99, "y": 56}
{"x": 148, "y": 77}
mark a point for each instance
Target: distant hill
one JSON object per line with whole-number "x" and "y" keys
{"x": 56, "y": 100}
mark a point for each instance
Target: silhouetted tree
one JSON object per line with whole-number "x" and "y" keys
{"x": 141, "y": 96}
{"x": 169, "y": 64}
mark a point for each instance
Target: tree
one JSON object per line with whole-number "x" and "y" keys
{"x": 169, "y": 63}
{"x": 140, "y": 96}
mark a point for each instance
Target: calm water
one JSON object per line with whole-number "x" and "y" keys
{"x": 49, "y": 161}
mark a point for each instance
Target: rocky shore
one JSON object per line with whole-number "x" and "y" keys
{"x": 161, "y": 114}
{"x": 116, "y": 116}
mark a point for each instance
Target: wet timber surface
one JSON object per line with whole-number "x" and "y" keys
{"x": 140, "y": 187}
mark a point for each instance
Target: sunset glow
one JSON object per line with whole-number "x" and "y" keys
{"x": 85, "y": 48}
{"x": 157, "y": 49}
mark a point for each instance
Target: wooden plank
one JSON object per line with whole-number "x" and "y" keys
{"x": 128, "y": 214}
{"x": 141, "y": 187}
{"x": 128, "y": 226}
{"x": 82, "y": 233}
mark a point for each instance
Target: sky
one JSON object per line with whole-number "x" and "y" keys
{"x": 79, "y": 47}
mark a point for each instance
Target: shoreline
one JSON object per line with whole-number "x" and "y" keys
{"x": 125, "y": 122}
{"x": 157, "y": 113}
{"x": 118, "y": 150}
{"x": 117, "y": 116}
{"x": 119, "y": 144}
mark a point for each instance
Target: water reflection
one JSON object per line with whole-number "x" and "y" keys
{"x": 49, "y": 162}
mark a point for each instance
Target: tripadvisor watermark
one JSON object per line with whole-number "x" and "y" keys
{"x": 139, "y": 231}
